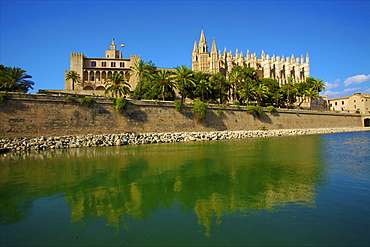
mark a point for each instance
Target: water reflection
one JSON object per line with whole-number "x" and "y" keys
{"x": 211, "y": 179}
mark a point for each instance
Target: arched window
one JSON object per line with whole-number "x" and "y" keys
{"x": 113, "y": 64}
{"x": 104, "y": 64}
{"x": 93, "y": 63}
{"x": 122, "y": 64}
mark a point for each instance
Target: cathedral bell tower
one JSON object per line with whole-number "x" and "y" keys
{"x": 201, "y": 56}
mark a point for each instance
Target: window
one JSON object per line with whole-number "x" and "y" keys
{"x": 354, "y": 101}
{"x": 355, "y": 106}
{"x": 342, "y": 102}
{"x": 113, "y": 64}
{"x": 92, "y": 78}
{"x": 336, "y": 103}
{"x": 122, "y": 64}
{"x": 93, "y": 64}
{"x": 104, "y": 64}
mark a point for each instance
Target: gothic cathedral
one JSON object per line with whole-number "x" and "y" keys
{"x": 279, "y": 68}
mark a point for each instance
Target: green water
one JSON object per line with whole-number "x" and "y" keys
{"x": 304, "y": 190}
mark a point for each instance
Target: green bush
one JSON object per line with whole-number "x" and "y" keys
{"x": 120, "y": 104}
{"x": 258, "y": 110}
{"x": 3, "y": 98}
{"x": 70, "y": 98}
{"x": 271, "y": 108}
{"x": 219, "y": 112}
{"x": 86, "y": 101}
{"x": 178, "y": 105}
{"x": 200, "y": 108}
{"x": 263, "y": 128}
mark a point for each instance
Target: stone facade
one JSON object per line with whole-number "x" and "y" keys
{"x": 95, "y": 71}
{"x": 280, "y": 68}
{"x": 356, "y": 102}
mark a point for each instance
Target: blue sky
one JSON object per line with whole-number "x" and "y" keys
{"x": 38, "y": 36}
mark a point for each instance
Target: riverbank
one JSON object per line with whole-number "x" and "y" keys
{"x": 78, "y": 141}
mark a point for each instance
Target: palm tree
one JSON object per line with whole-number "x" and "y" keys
{"x": 289, "y": 86}
{"x": 261, "y": 93}
{"x": 74, "y": 76}
{"x": 183, "y": 76}
{"x": 248, "y": 92}
{"x": 311, "y": 93}
{"x": 203, "y": 88}
{"x": 141, "y": 71}
{"x": 234, "y": 78}
{"x": 277, "y": 96}
{"x": 118, "y": 85}
{"x": 318, "y": 85}
{"x": 163, "y": 78}
{"x": 219, "y": 79}
{"x": 15, "y": 79}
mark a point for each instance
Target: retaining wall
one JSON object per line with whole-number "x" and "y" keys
{"x": 52, "y": 115}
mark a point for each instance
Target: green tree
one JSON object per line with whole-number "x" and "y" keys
{"x": 301, "y": 89}
{"x": 164, "y": 78}
{"x": 248, "y": 92}
{"x": 289, "y": 91}
{"x": 261, "y": 93}
{"x": 219, "y": 84}
{"x": 74, "y": 76}
{"x": 14, "y": 79}
{"x": 183, "y": 77}
{"x": 317, "y": 84}
{"x": 203, "y": 88}
{"x": 143, "y": 71}
{"x": 311, "y": 93}
{"x": 235, "y": 77}
{"x": 118, "y": 86}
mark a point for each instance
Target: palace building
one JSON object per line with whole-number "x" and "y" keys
{"x": 279, "y": 68}
{"x": 95, "y": 71}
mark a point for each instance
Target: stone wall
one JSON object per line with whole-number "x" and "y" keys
{"x": 53, "y": 115}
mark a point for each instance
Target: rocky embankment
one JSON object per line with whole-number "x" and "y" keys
{"x": 59, "y": 142}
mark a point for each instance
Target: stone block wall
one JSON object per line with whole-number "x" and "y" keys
{"x": 52, "y": 115}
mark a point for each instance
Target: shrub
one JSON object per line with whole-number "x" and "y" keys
{"x": 263, "y": 128}
{"x": 120, "y": 104}
{"x": 219, "y": 112}
{"x": 86, "y": 101}
{"x": 258, "y": 110}
{"x": 200, "y": 108}
{"x": 271, "y": 108}
{"x": 178, "y": 105}
{"x": 70, "y": 99}
{"x": 3, "y": 98}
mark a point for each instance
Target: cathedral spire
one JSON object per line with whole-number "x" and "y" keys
{"x": 203, "y": 43}
{"x": 195, "y": 46}
{"x": 214, "y": 47}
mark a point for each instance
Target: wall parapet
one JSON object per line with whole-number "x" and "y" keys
{"x": 52, "y": 114}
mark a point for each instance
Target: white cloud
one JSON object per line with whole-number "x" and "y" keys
{"x": 337, "y": 81}
{"x": 351, "y": 89}
{"x": 331, "y": 93}
{"x": 367, "y": 90}
{"x": 357, "y": 79}
{"x": 329, "y": 85}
